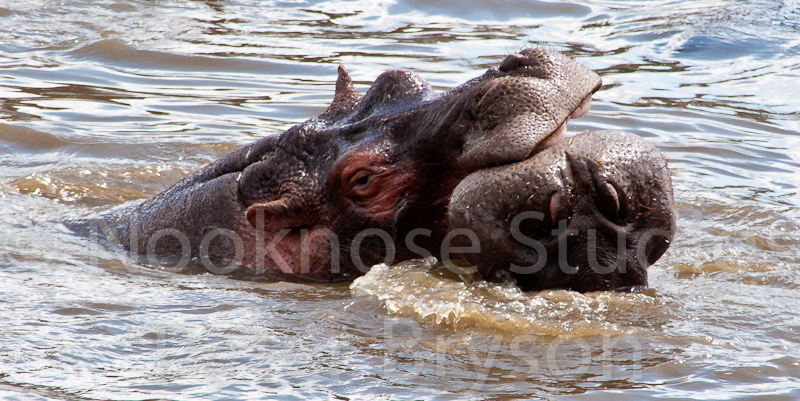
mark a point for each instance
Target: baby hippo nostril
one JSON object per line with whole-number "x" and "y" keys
{"x": 608, "y": 201}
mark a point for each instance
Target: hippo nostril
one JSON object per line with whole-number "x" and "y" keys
{"x": 608, "y": 201}
{"x": 512, "y": 62}
{"x": 529, "y": 63}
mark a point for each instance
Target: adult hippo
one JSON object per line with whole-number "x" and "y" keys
{"x": 370, "y": 179}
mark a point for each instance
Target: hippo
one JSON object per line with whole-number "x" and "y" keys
{"x": 372, "y": 179}
{"x": 590, "y": 213}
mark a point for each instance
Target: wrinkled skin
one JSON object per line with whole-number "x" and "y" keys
{"x": 588, "y": 214}
{"x": 367, "y": 181}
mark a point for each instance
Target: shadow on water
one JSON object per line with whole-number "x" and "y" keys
{"x": 106, "y": 102}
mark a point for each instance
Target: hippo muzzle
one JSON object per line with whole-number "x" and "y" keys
{"x": 587, "y": 214}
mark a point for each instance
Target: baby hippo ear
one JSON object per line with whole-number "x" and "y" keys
{"x": 280, "y": 214}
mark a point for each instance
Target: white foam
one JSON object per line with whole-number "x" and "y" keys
{"x": 431, "y": 292}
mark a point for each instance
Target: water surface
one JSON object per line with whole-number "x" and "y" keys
{"x": 104, "y": 102}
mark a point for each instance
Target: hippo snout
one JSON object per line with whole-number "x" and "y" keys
{"x": 588, "y": 214}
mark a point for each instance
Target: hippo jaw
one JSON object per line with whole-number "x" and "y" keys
{"x": 588, "y": 214}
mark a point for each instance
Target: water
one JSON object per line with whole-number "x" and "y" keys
{"x": 104, "y": 102}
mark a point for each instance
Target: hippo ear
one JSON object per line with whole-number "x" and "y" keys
{"x": 344, "y": 85}
{"x": 346, "y": 97}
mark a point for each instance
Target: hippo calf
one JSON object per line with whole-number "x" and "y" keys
{"x": 590, "y": 213}
{"x": 370, "y": 180}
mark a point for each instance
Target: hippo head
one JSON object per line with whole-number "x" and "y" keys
{"x": 590, "y": 213}
{"x": 372, "y": 169}
{"x": 369, "y": 180}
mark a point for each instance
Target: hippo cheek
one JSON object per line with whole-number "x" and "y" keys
{"x": 297, "y": 247}
{"x": 588, "y": 214}
{"x": 289, "y": 240}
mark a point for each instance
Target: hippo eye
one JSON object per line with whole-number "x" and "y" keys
{"x": 361, "y": 182}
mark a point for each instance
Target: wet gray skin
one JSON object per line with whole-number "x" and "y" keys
{"x": 590, "y": 213}
{"x": 367, "y": 181}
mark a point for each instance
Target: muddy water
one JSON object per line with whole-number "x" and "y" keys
{"x": 104, "y": 102}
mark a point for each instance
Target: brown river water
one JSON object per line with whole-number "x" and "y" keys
{"x": 104, "y": 102}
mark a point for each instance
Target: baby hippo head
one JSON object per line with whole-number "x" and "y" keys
{"x": 588, "y": 214}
